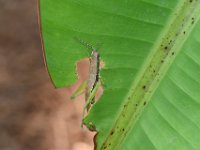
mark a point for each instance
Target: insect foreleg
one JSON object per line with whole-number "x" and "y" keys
{"x": 79, "y": 91}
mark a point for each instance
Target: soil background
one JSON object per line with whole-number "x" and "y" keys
{"x": 33, "y": 114}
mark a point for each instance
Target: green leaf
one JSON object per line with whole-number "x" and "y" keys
{"x": 151, "y": 77}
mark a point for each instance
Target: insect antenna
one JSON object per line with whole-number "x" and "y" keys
{"x": 86, "y": 44}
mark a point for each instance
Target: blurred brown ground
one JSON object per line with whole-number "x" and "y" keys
{"x": 33, "y": 115}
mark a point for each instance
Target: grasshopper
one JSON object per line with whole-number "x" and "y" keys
{"x": 93, "y": 82}
{"x": 93, "y": 79}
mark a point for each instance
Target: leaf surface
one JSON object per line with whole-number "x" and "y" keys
{"x": 151, "y": 54}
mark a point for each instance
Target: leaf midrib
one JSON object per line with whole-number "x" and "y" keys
{"x": 138, "y": 94}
